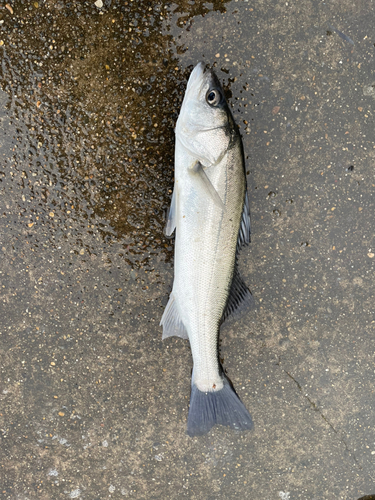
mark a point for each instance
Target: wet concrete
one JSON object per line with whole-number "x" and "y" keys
{"x": 93, "y": 404}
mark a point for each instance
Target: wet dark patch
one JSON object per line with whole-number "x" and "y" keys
{"x": 94, "y": 95}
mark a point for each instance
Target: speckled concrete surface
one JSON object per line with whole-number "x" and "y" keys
{"x": 92, "y": 404}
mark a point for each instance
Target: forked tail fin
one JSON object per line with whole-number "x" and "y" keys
{"x": 222, "y": 407}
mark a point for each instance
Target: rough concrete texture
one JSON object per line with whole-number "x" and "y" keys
{"x": 93, "y": 404}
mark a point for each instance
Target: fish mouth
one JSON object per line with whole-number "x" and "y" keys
{"x": 200, "y": 77}
{"x": 196, "y": 75}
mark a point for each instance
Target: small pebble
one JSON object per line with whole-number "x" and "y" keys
{"x": 133, "y": 274}
{"x": 99, "y": 4}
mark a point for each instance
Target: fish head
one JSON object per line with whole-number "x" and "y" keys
{"x": 205, "y": 124}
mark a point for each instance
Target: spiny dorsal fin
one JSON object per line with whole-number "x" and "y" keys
{"x": 244, "y": 232}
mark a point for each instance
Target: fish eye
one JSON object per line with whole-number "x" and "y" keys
{"x": 213, "y": 97}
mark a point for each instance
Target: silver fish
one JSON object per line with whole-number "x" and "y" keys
{"x": 210, "y": 213}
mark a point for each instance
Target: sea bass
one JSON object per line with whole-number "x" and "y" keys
{"x": 210, "y": 213}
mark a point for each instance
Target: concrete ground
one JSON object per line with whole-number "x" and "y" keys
{"x": 93, "y": 403}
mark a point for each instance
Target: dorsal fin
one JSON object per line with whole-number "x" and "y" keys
{"x": 239, "y": 297}
{"x": 244, "y": 232}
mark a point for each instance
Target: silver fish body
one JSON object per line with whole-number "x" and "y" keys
{"x": 210, "y": 214}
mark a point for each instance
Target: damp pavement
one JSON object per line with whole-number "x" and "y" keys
{"x": 93, "y": 403}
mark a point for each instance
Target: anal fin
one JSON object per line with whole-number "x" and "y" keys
{"x": 171, "y": 321}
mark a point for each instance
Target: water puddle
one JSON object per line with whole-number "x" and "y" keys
{"x": 91, "y": 96}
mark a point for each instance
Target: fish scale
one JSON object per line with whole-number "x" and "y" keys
{"x": 209, "y": 212}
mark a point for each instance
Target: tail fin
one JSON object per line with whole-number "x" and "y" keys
{"x": 222, "y": 407}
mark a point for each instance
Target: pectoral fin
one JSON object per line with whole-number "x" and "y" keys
{"x": 206, "y": 184}
{"x": 171, "y": 216}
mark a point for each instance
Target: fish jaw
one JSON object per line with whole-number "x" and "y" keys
{"x": 195, "y": 76}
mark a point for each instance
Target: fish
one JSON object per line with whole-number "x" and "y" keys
{"x": 210, "y": 215}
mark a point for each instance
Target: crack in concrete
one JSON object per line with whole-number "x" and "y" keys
{"x": 317, "y": 409}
